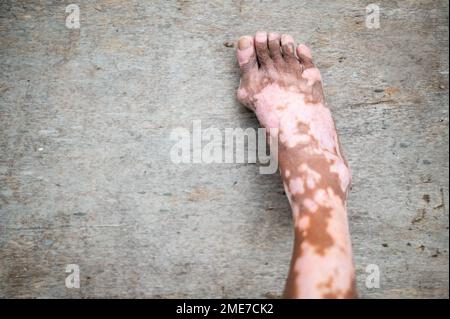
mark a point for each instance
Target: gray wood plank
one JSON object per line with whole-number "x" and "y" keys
{"x": 85, "y": 173}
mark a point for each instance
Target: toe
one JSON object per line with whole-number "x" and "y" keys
{"x": 275, "y": 47}
{"x": 262, "y": 49}
{"x": 246, "y": 54}
{"x": 305, "y": 56}
{"x": 287, "y": 44}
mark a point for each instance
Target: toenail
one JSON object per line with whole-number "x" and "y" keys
{"x": 261, "y": 36}
{"x": 244, "y": 43}
{"x": 289, "y": 48}
{"x": 304, "y": 50}
{"x": 273, "y": 36}
{"x": 286, "y": 38}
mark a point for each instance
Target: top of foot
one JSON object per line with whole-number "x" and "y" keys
{"x": 272, "y": 59}
{"x": 280, "y": 83}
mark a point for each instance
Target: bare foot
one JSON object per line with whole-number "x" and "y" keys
{"x": 280, "y": 83}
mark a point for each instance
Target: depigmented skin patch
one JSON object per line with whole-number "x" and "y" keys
{"x": 285, "y": 92}
{"x": 328, "y": 292}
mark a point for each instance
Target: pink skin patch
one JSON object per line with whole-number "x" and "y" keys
{"x": 310, "y": 205}
{"x": 321, "y": 197}
{"x": 312, "y": 75}
{"x": 343, "y": 172}
{"x": 302, "y": 222}
{"x": 295, "y": 111}
{"x": 312, "y": 177}
{"x": 296, "y": 186}
{"x": 287, "y": 173}
{"x": 310, "y": 183}
{"x": 338, "y": 166}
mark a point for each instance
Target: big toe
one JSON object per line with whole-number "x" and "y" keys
{"x": 246, "y": 54}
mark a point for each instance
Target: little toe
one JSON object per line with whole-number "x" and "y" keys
{"x": 305, "y": 56}
{"x": 246, "y": 55}
{"x": 287, "y": 44}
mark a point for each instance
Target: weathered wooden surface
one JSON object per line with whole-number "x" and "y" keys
{"x": 85, "y": 174}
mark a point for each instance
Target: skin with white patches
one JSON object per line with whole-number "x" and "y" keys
{"x": 312, "y": 177}
{"x": 296, "y": 185}
{"x": 287, "y": 173}
{"x": 310, "y": 205}
{"x": 312, "y": 75}
{"x": 284, "y": 89}
{"x": 335, "y": 261}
